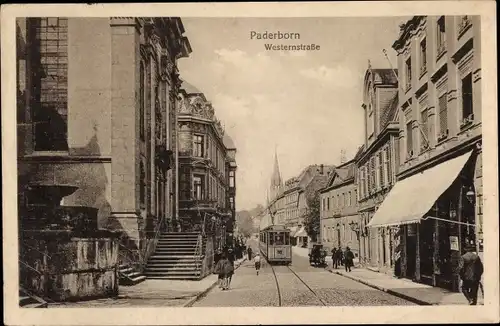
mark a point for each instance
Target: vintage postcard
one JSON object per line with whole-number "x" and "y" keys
{"x": 250, "y": 163}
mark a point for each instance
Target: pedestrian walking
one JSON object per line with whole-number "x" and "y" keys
{"x": 349, "y": 259}
{"x": 470, "y": 271}
{"x": 334, "y": 256}
{"x": 257, "y": 263}
{"x": 231, "y": 259}
{"x": 249, "y": 252}
{"x": 218, "y": 269}
{"x": 340, "y": 256}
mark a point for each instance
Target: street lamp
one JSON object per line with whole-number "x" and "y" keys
{"x": 470, "y": 195}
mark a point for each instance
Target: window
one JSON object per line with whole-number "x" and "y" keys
{"x": 441, "y": 37}
{"x": 467, "y": 105}
{"x": 389, "y": 164}
{"x": 349, "y": 201}
{"x": 198, "y": 187}
{"x": 443, "y": 115}
{"x": 424, "y": 128}
{"x": 408, "y": 73}
{"x": 381, "y": 166}
{"x": 386, "y": 166}
{"x": 48, "y": 39}
{"x": 231, "y": 179}
{"x": 372, "y": 175}
{"x": 409, "y": 138}
{"x": 423, "y": 56}
{"x": 328, "y": 203}
{"x": 198, "y": 148}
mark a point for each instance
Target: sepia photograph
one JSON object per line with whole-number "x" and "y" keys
{"x": 242, "y": 161}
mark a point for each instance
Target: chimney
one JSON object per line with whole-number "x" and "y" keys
{"x": 321, "y": 168}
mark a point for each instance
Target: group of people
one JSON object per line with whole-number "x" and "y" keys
{"x": 256, "y": 259}
{"x": 345, "y": 258}
{"x": 224, "y": 267}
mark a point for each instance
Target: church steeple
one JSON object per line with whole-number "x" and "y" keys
{"x": 276, "y": 181}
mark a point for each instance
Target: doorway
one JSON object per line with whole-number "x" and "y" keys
{"x": 411, "y": 252}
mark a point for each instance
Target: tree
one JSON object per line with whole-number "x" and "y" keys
{"x": 311, "y": 218}
{"x": 245, "y": 223}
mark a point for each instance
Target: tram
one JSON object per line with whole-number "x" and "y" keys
{"x": 274, "y": 244}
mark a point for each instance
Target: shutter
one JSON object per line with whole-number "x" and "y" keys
{"x": 443, "y": 114}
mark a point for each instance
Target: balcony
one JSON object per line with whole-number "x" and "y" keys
{"x": 441, "y": 49}
{"x": 467, "y": 121}
{"x": 464, "y": 24}
{"x": 443, "y": 135}
{"x": 423, "y": 69}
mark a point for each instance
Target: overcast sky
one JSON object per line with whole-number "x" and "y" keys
{"x": 307, "y": 104}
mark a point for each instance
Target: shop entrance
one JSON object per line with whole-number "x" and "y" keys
{"x": 427, "y": 234}
{"x": 411, "y": 251}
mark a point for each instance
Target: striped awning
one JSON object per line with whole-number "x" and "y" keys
{"x": 411, "y": 198}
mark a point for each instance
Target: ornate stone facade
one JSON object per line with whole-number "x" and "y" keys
{"x": 207, "y": 166}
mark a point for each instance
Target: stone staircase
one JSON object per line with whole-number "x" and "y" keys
{"x": 28, "y": 300}
{"x": 128, "y": 276}
{"x": 176, "y": 257}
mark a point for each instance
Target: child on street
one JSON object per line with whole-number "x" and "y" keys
{"x": 257, "y": 262}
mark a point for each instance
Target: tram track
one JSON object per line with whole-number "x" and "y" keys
{"x": 280, "y": 300}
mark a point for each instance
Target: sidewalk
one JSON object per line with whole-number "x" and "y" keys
{"x": 154, "y": 292}
{"x": 304, "y": 252}
{"x": 406, "y": 289}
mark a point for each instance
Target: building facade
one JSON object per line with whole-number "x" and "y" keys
{"x": 440, "y": 145}
{"x": 207, "y": 166}
{"x": 339, "y": 210}
{"x": 376, "y": 165}
{"x": 290, "y": 204}
{"x": 96, "y": 99}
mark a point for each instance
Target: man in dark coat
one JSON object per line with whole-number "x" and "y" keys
{"x": 334, "y": 257}
{"x": 249, "y": 252}
{"x": 349, "y": 259}
{"x": 470, "y": 270}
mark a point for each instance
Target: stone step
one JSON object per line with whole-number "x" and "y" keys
{"x": 174, "y": 257}
{"x": 177, "y": 242}
{"x": 175, "y": 277}
{"x": 174, "y": 252}
{"x": 173, "y": 273}
{"x": 174, "y": 266}
{"x": 25, "y": 300}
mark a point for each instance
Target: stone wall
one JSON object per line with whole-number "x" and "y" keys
{"x": 59, "y": 267}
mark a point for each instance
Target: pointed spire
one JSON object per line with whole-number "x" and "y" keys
{"x": 276, "y": 177}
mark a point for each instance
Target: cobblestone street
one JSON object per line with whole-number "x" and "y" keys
{"x": 248, "y": 289}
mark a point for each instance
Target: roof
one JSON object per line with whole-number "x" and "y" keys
{"x": 386, "y": 76}
{"x": 359, "y": 152}
{"x": 389, "y": 113}
{"x": 190, "y": 89}
{"x": 228, "y": 141}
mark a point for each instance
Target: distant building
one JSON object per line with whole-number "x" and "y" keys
{"x": 339, "y": 209}
{"x": 289, "y": 205}
{"x": 376, "y": 164}
{"x": 440, "y": 156}
{"x": 207, "y": 165}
